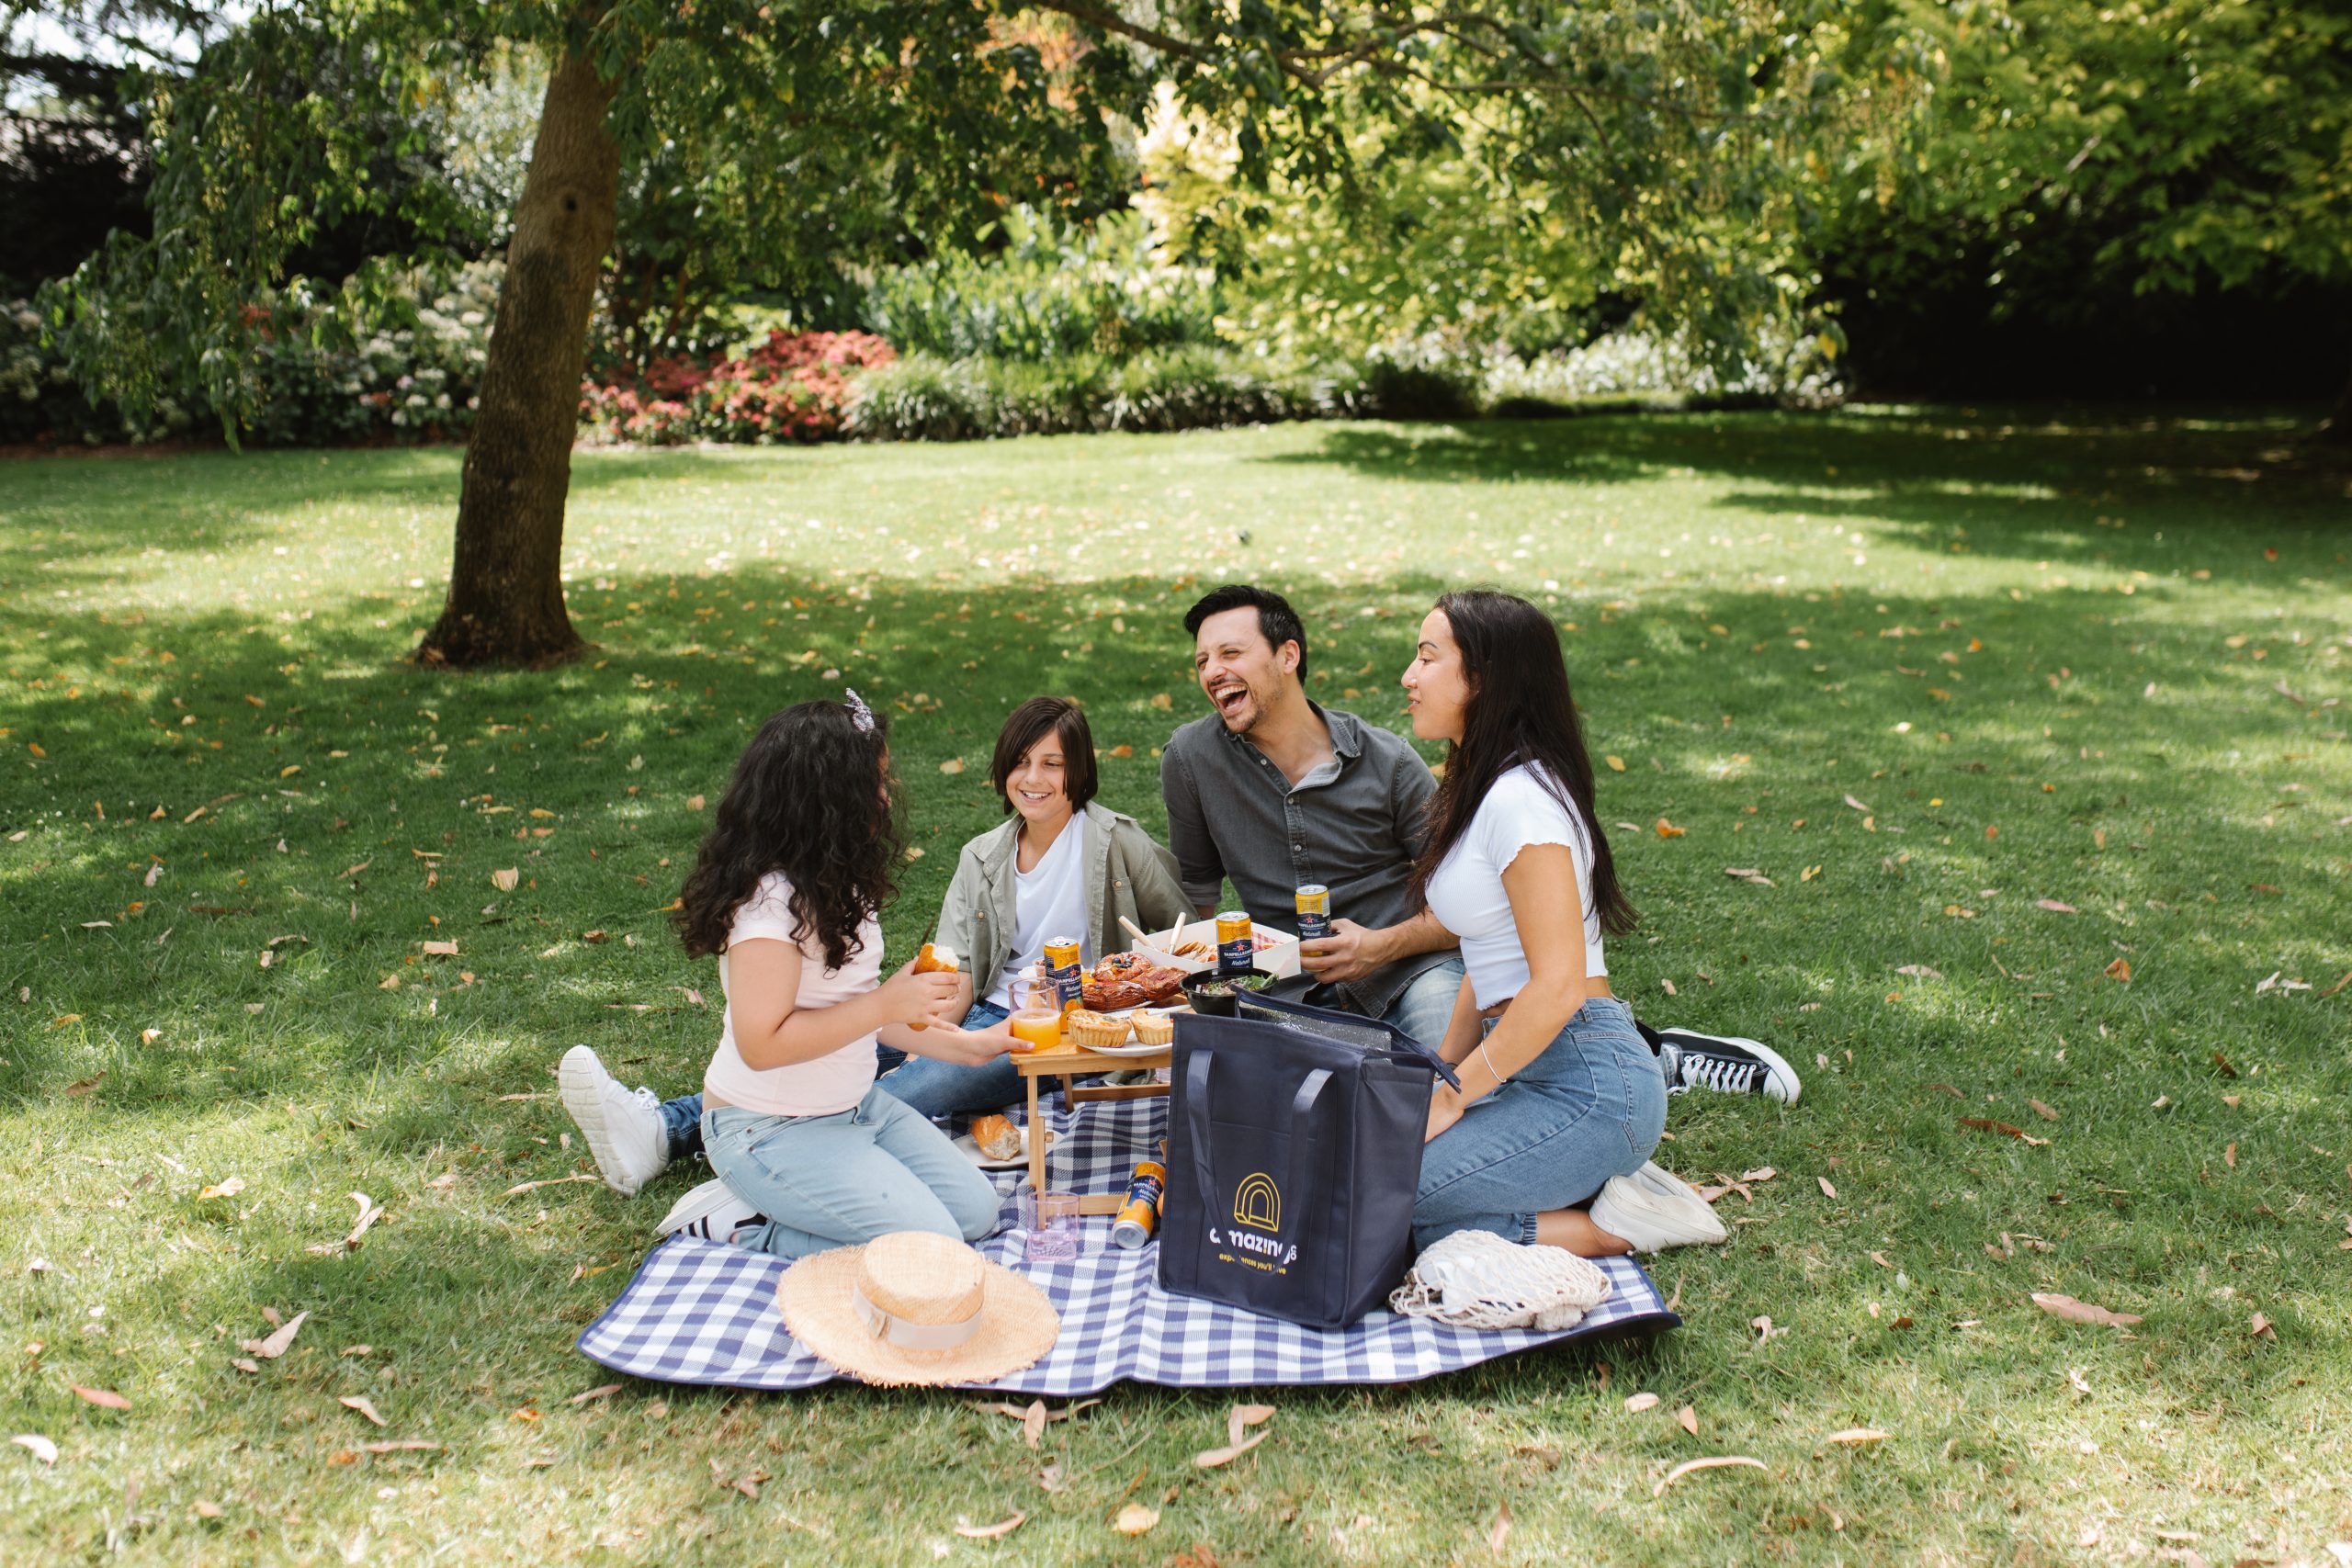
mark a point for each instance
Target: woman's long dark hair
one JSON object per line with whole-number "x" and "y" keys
{"x": 807, "y": 800}
{"x": 1520, "y": 711}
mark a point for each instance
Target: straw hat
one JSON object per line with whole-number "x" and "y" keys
{"x": 915, "y": 1307}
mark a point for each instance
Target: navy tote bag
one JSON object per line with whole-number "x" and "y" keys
{"x": 1294, "y": 1156}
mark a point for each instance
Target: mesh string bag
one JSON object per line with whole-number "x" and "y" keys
{"x": 1476, "y": 1280}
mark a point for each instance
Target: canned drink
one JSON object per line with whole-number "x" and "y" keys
{"x": 1237, "y": 951}
{"x": 1063, "y": 967}
{"x": 1139, "y": 1215}
{"x": 1314, "y": 912}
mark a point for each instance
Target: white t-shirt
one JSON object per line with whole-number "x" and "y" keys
{"x": 1467, "y": 895}
{"x": 833, "y": 1082}
{"x": 1047, "y": 901}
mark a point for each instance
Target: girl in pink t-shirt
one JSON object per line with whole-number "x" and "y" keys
{"x": 785, "y": 894}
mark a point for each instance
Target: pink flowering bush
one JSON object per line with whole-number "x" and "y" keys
{"x": 793, "y": 387}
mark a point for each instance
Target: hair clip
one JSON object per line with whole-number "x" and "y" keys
{"x": 859, "y": 713}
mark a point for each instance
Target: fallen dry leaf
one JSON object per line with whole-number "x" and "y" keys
{"x": 550, "y": 1181}
{"x": 953, "y": 766}
{"x": 1919, "y": 972}
{"x": 1033, "y": 1423}
{"x": 440, "y": 950}
{"x": 1135, "y": 1518}
{"x": 269, "y": 1349}
{"x": 1499, "y": 1533}
{"x": 1687, "y": 1417}
{"x": 2120, "y": 971}
{"x": 1616, "y": 764}
{"x": 104, "y": 1398}
{"x": 1880, "y": 1258}
{"x": 2230, "y": 1157}
{"x": 1761, "y": 1173}
{"x": 1638, "y": 1403}
{"x": 991, "y": 1532}
{"x": 1210, "y": 1458}
{"x": 599, "y": 1391}
{"x": 40, "y": 1448}
{"x": 358, "y": 1403}
{"x": 244, "y": 1363}
{"x": 506, "y": 881}
{"x": 2223, "y": 1063}
{"x": 1856, "y": 804}
{"x": 401, "y": 1445}
{"x": 1688, "y": 1466}
{"x": 2260, "y": 1328}
{"x": 1826, "y": 1190}
{"x": 2043, "y": 1110}
{"x": 2075, "y": 1311}
{"x": 1244, "y": 1417}
{"x": 1857, "y": 1435}
{"x": 2055, "y": 908}
{"x": 227, "y": 1189}
{"x": 1667, "y": 830}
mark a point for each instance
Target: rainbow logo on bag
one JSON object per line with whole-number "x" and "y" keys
{"x": 1258, "y": 1202}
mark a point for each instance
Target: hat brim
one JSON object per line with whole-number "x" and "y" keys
{"x": 1018, "y": 1325}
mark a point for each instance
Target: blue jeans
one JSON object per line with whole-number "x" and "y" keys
{"x": 938, "y": 1088}
{"x": 843, "y": 1179}
{"x": 1590, "y": 1108}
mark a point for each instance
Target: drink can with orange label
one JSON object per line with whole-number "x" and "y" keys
{"x": 1237, "y": 949}
{"x": 1314, "y": 912}
{"x": 1139, "y": 1215}
{"x": 1063, "y": 967}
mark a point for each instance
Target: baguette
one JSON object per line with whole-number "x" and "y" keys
{"x": 935, "y": 959}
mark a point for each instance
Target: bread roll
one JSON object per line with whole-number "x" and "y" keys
{"x": 997, "y": 1137}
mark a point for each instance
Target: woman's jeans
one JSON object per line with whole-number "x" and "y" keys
{"x": 843, "y": 1179}
{"x": 1590, "y": 1108}
{"x": 935, "y": 1088}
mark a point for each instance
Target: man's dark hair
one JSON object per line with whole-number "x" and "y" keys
{"x": 1277, "y": 622}
{"x": 1032, "y": 722}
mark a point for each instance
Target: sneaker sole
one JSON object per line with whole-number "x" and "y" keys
{"x": 578, "y": 1085}
{"x": 690, "y": 1208}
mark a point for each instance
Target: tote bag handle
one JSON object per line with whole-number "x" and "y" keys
{"x": 1302, "y": 1104}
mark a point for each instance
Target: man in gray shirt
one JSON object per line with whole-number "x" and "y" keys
{"x": 1274, "y": 791}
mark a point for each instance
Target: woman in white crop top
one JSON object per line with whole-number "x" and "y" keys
{"x": 789, "y": 880}
{"x": 1561, "y": 1100}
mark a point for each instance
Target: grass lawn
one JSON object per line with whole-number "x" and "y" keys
{"x": 2033, "y": 728}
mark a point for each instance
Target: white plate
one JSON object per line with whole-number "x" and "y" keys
{"x": 971, "y": 1151}
{"x": 1132, "y": 1048}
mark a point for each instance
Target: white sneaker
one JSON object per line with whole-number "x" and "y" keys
{"x": 623, "y": 1126}
{"x": 711, "y": 1212}
{"x": 1728, "y": 1064}
{"x": 1655, "y": 1210}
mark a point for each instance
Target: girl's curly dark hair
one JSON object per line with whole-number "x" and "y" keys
{"x": 810, "y": 799}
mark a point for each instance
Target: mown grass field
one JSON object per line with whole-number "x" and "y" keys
{"x": 1921, "y": 670}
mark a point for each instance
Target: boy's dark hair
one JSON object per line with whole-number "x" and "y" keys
{"x": 1277, "y": 622}
{"x": 1032, "y": 722}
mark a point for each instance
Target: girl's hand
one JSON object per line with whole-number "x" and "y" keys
{"x": 965, "y": 1047}
{"x": 1445, "y": 1110}
{"x": 913, "y": 998}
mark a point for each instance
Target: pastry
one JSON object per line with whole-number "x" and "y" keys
{"x": 935, "y": 958}
{"x": 998, "y": 1138}
{"x": 1129, "y": 980}
{"x": 1082, "y": 1026}
{"x": 1155, "y": 1028}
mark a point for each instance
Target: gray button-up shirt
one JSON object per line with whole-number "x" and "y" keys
{"x": 1353, "y": 825}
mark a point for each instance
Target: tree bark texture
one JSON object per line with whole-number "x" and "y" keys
{"x": 505, "y": 602}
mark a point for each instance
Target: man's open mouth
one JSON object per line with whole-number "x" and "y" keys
{"x": 1229, "y": 698}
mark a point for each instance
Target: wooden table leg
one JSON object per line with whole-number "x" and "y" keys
{"x": 1035, "y": 1134}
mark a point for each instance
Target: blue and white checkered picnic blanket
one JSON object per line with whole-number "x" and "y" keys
{"x": 697, "y": 1313}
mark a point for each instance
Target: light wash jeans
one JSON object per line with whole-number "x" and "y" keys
{"x": 936, "y": 1088}
{"x": 1590, "y": 1108}
{"x": 843, "y": 1179}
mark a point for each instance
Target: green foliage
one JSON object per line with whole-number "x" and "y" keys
{"x": 2199, "y": 145}
{"x": 924, "y": 397}
{"x": 1052, "y": 289}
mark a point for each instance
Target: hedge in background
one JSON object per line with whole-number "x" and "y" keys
{"x": 792, "y": 386}
{"x": 925, "y": 398}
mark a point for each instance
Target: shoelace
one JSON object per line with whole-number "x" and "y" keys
{"x": 1720, "y": 1073}
{"x": 645, "y": 1097}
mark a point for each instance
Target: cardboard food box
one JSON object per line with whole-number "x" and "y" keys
{"x": 1277, "y": 952}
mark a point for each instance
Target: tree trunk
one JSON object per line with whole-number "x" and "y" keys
{"x": 505, "y": 602}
